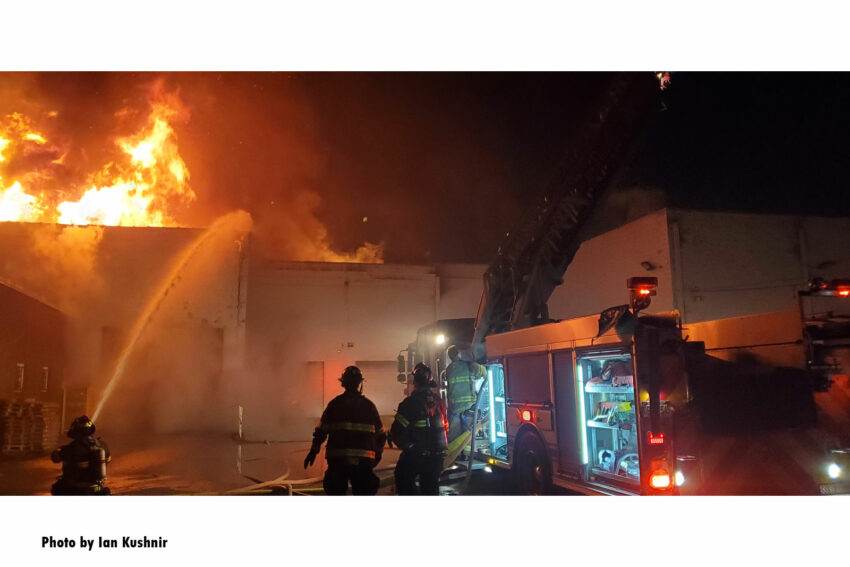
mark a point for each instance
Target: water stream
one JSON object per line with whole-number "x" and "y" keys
{"x": 239, "y": 222}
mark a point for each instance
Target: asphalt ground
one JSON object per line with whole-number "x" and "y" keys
{"x": 217, "y": 464}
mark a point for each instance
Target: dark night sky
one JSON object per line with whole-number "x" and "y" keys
{"x": 756, "y": 142}
{"x": 442, "y": 164}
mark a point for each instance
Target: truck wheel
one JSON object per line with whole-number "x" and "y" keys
{"x": 532, "y": 468}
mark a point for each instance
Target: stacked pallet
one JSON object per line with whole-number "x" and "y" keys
{"x": 28, "y": 426}
{"x": 52, "y": 431}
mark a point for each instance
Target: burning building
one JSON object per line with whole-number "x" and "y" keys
{"x": 169, "y": 328}
{"x": 187, "y": 338}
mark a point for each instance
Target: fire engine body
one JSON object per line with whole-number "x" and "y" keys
{"x": 673, "y": 419}
{"x": 589, "y": 412}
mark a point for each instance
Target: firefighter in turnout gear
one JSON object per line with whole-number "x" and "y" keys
{"x": 356, "y": 437}
{"x": 461, "y": 376}
{"x": 419, "y": 429}
{"x": 83, "y": 462}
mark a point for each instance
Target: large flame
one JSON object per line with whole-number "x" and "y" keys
{"x": 143, "y": 183}
{"x": 140, "y": 187}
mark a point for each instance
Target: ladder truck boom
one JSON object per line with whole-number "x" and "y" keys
{"x": 532, "y": 259}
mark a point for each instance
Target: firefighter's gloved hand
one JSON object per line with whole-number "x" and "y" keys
{"x": 310, "y": 458}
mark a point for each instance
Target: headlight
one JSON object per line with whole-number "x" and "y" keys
{"x": 833, "y": 470}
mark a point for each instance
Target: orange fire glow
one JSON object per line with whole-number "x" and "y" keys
{"x": 139, "y": 187}
{"x": 144, "y": 182}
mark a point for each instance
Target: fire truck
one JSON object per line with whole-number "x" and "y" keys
{"x": 623, "y": 403}
{"x": 627, "y": 403}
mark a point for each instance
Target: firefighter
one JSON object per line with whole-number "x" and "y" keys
{"x": 83, "y": 462}
{"x": 419, "y": 430}
{"x": 356, "y": 437}
{"x": 462, "y": 377}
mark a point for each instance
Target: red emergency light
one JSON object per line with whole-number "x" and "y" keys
{"x": 642, "y": 285}
{"x": 526, "y": 415}
{"x": 660, "y": 478}
{"x": 656, "y": 439}
{"x": 641, "y": 291}
{"x": 839, "y": 287}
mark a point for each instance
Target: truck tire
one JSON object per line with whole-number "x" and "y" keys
{"x": 532, "y": 468}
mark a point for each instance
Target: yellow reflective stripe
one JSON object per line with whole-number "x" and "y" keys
{"x": 421, "y": 423}
{"x": 350, "y": 453}
{"x": 456, "y": 379}
{"x": 400, "y": 418}
{"x": 349, "y": 426}
{"x": 461, "y": 399}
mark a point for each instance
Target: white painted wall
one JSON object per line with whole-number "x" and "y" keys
{"x": 596, "y": 279}
{"x": 461, "y": 286}
{"x": 337, "y": 315}
{"x": 736, "y": 264}
{"x": 709, "y": 265}
{"x": 739, "y": 264}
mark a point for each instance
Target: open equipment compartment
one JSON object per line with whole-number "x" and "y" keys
{"x": 492, "y": 438}
{"x": 609, "y": 419}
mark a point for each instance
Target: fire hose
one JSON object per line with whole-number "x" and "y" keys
{"x": 285, "y": 482}
{"x": 288, "y": 484}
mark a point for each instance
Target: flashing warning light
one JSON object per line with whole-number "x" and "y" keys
{"x": 644, "y": 286}
{"x": 680, "y": 478}
{"x": 659, "y": 479}
{"x": 656, "y": 439}
{"x": 839, "y": 287}
{"x": 641, "y": 291}
{"x": 441, "y": 339}
{"x": 526, "y": 415}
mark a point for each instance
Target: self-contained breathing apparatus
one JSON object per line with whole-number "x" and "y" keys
{"x": 83, "y": 461}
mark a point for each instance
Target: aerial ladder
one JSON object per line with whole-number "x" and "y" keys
{"x": 532, "y": 259}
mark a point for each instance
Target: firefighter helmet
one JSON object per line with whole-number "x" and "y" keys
{"x": 421, "y": 375}
{"x": 81, "y": 427}
{"x": 453, "y": 352}
{"x": 351, "y": 378}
